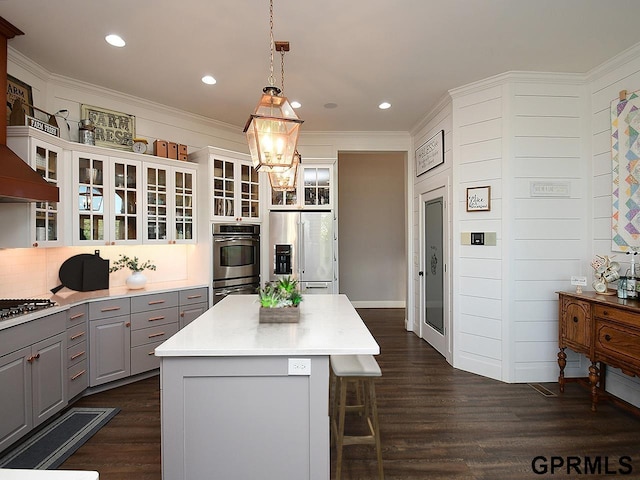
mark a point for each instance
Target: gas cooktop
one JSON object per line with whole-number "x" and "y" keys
{"x": 14, "y": 307}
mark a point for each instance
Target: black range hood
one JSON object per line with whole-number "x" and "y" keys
{"x": 18, "y": 181}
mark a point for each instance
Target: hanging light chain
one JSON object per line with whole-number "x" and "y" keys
{"x": 271, "y": 44}
{"x": 282, "y": 68}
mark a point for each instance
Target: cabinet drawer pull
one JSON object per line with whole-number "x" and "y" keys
{"x": 77, "y": 315}
{"x": 191, "y": 297}
{"x": 79, "y": 374}
{"x": 151, "y": 353}
{"x": 156, "y": 302}
{"x": 159, "y": 334}
{"x": 182, "y": 314}
{"x": 77, "y": 335}
{"x": 607, "y": 337}
{"x": 109, "y": 309}
{"x": 153, "y": 319}
{"x": 575, "y": 319}
{"x": 605, "y": 313}
{"x": 77, "y": 355}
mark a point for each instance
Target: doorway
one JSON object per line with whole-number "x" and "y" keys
{"x": 434, "y": 316}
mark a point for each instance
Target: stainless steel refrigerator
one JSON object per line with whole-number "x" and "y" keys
{"x": 301, "y": 245}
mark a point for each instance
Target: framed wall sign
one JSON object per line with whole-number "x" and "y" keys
{"x": 18, "y": 89}
{"x": 479, "y": 199}
{"x": 430, "y": 154}
{"x": 112, "y": 129}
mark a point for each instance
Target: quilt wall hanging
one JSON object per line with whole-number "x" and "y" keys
{"x": 625, "y": 154}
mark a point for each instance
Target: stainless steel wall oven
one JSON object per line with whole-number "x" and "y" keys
{"x": 236, "y": 259}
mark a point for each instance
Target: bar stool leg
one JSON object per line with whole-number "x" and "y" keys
{"x": 339, "y": 436}
{"x": 376, "y": 425}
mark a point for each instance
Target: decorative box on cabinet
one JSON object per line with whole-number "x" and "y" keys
{"x": 35, "y": 224}
{"x": 193, "y": 303}
{"x": 77, "y": 348}
{"x": 605, "y": 329}
{"x": 169, "y": 204}
{"x": 109, "y": 340}
{"x": 32, "y": 363}
{"x": 154, "y": 318}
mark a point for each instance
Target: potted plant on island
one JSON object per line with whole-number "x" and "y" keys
{"x": 137, "y": 279}
{"x": 279, "y": 301}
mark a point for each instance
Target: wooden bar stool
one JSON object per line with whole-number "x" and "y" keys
{"x": 359, "y": 371}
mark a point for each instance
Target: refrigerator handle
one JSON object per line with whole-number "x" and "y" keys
{"x": 301, "y": 247}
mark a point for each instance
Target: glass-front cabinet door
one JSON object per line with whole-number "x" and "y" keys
{"x": 126, "y": 219}
{"x": 91, "y": 211}
{"x": 249, "y": 191}
{"x": 156, "y": 184}
{"x": 224, "y": 188}
{"x": 184, "y": 196}
{"x": 47, "y": 214}
{"x": 169, "y": 204}
{"x": 313, "y": 190}
{"x": 236, "y": 190}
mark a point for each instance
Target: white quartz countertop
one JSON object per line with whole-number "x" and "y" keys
{"x": 19, "y": 474}
{"x": 329, "y": 325}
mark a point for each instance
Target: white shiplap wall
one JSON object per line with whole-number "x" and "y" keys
{"x": 621, "y": 73}
{"x": 477, "y": 271}
{"x": 510, "y": 131}
{"x": 549, "y": 234}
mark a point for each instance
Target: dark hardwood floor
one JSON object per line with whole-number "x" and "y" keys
{"x": 436, "y": 423}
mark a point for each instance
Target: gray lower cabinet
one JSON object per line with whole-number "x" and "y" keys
{"x": 154, "y": 318}
{"x": 193, "y": 303}
{"x": 33, "y": 363}
{"x": 109, "y": 340}
{"x": 77, "y": 348}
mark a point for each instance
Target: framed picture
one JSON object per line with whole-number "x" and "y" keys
{"x": 18, "y": 89}
{"x": 112, "y": 129}
{"x": 430, "y": 154}
{"x": 479, "y": 199}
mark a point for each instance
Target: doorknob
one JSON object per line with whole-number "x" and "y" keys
{"x": 421, "y": 273}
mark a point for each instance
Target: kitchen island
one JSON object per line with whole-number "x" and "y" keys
{"x": 247, "y": 400}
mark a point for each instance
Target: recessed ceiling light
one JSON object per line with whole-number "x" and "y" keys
{"x": 295, "y": 104}
{"x": 115, "y": 40}
{"x": 209, "y": 80}
{"x": 330, "y": 105}
{"x": 384, "y": 105}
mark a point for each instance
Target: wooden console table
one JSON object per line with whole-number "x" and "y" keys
{"x": 604, "y": 328}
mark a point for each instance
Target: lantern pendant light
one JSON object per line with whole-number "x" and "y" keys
{"x": 285, "y": 181}
{"x": 272, "y": 129}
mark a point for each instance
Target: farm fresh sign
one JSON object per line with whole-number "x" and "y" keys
{"x": 112, "y": 129}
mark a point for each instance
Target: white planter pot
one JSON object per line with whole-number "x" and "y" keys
{"x": 136, "y": 281}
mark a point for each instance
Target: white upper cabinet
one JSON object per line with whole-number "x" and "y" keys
{"x": 314, "y": 189}
{"x": 169, "y": 204}
{"x": 234, "y": 187}
{"x": 106, "y": 208}
{"x": 35, "y": 224}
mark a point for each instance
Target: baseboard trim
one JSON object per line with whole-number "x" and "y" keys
{"x": 378, "y": 304}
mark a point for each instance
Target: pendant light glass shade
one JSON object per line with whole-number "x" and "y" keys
{"x": 285, "y": 180}
{"x": 272, "y": 132}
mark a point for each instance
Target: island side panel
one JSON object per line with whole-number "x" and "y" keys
{"x": 244, "y": 417}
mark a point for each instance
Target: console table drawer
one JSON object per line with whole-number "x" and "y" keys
{"x": 619, "y": 315}
{"x": 617, "y": 345}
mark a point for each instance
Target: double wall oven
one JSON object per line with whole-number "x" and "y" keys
{"x": 236, "y": 259}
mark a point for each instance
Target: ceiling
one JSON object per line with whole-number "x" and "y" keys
{"x": 351, "y": 53}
